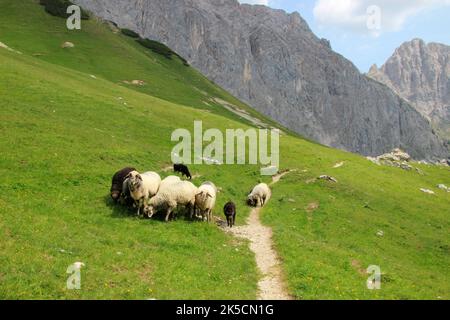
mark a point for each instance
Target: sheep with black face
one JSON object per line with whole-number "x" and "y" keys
{"x": 259, "y": 196}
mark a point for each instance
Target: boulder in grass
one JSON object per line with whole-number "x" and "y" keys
{"x": 67, "y": 44}
{"x": 401, "y": 155}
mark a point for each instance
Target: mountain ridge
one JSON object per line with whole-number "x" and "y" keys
{"x": 271, "y": 60}
{"x": 419, "y": 73}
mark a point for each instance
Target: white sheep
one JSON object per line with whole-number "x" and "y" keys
{"x": 169, "y": 180}
{"x": 172, "y": 195}
{"x": 142, "y": 187}
{"x": 259, "y": 196}
{"x": 205, "y": 200}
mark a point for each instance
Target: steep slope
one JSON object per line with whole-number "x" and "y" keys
{"x": 420, "y": 73}
{"x": 100, "y": 49}
{"x": 273, "y": 61}
{"x": 65, "y": 132}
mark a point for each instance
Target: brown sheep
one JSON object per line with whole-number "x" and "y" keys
{"x": 117, "y": 182}
{"x": 230, "y": 213}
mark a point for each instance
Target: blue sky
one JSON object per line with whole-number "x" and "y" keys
{"x": 368, "y": 31}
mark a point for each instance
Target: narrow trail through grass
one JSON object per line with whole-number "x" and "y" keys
{"x": 271, "y": 285}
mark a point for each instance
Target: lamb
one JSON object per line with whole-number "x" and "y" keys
{"x": 183, "y": 169}
{"x": 117, "y": 182}
{"x": 205, "y": 200}
{"x": 172, "y": 195}
{"x": 142, "y": 187}
{"x": 230, "y": 213}
{"x": 259, "y": 196}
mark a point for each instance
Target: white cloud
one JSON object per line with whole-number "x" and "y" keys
{"x": 355, "y": 15}
{"x": 264, "y": 2}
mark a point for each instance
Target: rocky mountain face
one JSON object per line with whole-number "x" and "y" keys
{"x": 272, "y": 61}
{"x": 420, "y": 73}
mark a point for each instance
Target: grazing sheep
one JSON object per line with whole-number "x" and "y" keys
{"x": 142, "y": 187}
{"x": 125, "y": 196}
{"x": 168, "y": 181}
{"x": 205, "y": 200}
{"x": 170, "y": 196}
{"x": 230, "y": 212}
{"x": 117, "y": 183}
{"x": 259, "y": 196}
{"x": 183, "y": 169}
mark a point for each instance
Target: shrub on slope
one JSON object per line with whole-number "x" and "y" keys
{"x": 58, "y": 8}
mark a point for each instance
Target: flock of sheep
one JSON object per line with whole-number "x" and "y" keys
{"x": 149, "y": 194}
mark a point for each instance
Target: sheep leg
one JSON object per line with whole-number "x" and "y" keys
{"x": 202, "y": 214}
{"x": 259, "y": 202}
{"x": 139, "y": 208}
{"x": 192, "y": 209}
{"x": 145, "y": 205}
{"x": 191, "y": 213}
{"x": 169, "y": 211}
{"x": 209, "y": 216}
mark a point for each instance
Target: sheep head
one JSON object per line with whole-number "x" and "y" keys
{"x": 115, "y": 195}
{"x": 251, "y": 201}
{"x": 134, "y": 180}
{"x": 202, "y": 196}
{"x": 149, "y": 211}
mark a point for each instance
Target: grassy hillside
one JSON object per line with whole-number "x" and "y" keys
{"x": 64, "y": 133}
{"x": 106, "y": 53}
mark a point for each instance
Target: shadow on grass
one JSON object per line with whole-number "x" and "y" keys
{"x": 119, "y": 211}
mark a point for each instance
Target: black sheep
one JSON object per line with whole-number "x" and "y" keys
{"x": 117, "y": 183}
{"x": 181, "y": 168}
{"x": 230, "y": 213}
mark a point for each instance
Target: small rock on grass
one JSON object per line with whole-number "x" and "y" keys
{"x": 338, "y": 165}
{"x": 328, "y": 178}
{"x": 67, "y": 44}
{"x": 427, "y": 191}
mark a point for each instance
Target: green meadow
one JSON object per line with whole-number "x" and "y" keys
{"x": 69, "y": 118}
